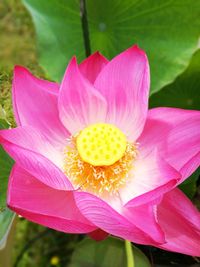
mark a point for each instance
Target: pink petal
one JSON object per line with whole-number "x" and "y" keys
{"x": 176, "y": 134}
{"x": 145, "y": 218}
{"x": 106, "y": 218}
{"x": 79, "y": 103}
{"x": 44, "y": 205}
{"x": 180, "y": 221}
{"x": 28, "y": 138}
{"x": 98, "y": 235}
{"x": 91, "y": 66}
{"x": 190, "y": 167}
{"x": 183, "y": 145}
{"x": 124, "y": 82}
{"x": 151, "y": 177}
{"x": 39, "y": 166}
{"x": 35, "y": 104}
{"x": 155, "y": 133}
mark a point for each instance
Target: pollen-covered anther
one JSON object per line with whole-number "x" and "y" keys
{"x": 104, "y": 174}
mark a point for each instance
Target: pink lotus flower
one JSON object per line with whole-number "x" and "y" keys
{"x": 90, "y": 157}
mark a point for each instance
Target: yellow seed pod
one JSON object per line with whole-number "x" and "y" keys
{"x": 101, "y": 144}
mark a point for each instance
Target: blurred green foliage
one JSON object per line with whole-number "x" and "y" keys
{"x": 6, "y": 163}
{"x": 36, "y": 245}
{"x": 6, "y": 219}
{"x": 189, "y": 186}
{"x": 107, "y": 253}
{"x": 6, "y": 216}
{"x": 17, "y": 47}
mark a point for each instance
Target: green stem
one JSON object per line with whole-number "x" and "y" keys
{"x": 85, "y": 27}
{"x": 129, "y": 254}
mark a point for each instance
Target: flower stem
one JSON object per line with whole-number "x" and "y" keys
{"x": 85, "y": 27}
{"x": 129, "y": 254}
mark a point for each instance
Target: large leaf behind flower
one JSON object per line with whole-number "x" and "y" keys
{"x": 167, "y": 30}
{"x": 6, "y": 216}
{"x": 184, "y": 91}
{"x": 189, "y": 186}
{"x": 107, "y": 253}
{"x": 6, "y": 219}
{"x": 59, "y": 32}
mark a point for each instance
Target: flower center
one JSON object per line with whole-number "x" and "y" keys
{"x": 99, "y": 159}
{"x": 101, "y": 144}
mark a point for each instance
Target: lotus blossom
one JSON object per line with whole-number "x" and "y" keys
{"x": 91, "y": 158}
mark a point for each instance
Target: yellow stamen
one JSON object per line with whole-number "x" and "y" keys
{"x": 101, "y": 144}
{"x": 85, "y": 171}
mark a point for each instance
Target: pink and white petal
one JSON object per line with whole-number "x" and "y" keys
{"x": 183, "y": 146}
{"x": 29, "y": 138}
{"x": 79, "y": 103}
{"x": 172, "y": 115}
{"x": 183, "y": 206}
{"x": 44, "y": 205}
{"x": 190, "y": 167}
{"x": 180, "y": 221}
{"x": 106, "y": 218}
{"x": 176, "y": 134}
{"x": 98, "y": 235}
{"x": 154, "y": 135}
{"x": 39, "y": 166}
{"x": 124, "y": 82}
{"x": 91, "y": 66}
{"x": 145, "y": 217}
{"x": 150, "y": 177}
{"x": 35, "y": 104}
{"x": 62, "y": 225}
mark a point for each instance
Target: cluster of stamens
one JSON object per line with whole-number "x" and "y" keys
{"x": 114, "y": 159}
